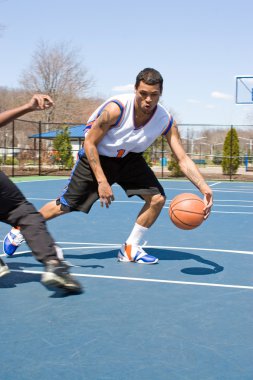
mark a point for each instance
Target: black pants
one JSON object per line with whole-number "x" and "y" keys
{"x": 17, "y": 211}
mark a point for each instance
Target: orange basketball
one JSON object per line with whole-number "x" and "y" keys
{"x": 186, "y": 211}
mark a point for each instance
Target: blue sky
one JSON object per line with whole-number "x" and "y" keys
{"x": 198, "y": 46}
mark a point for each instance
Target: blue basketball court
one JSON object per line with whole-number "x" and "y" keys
{"x": 188, "y": 317}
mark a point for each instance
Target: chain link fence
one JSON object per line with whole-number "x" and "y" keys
{"x": 22, "y": 154}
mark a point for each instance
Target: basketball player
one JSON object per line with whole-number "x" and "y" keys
{"x": 116, "y": 135}
{"x": 16, "y": 210}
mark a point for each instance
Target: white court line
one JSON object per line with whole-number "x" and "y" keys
{"x": 167, "y": 201}
{"x": 214, "y": 190}
{"x": 116, "y": 185}
{"x": 98, "y": 245}
{"x": 84, "y": 245}
{"x": 232, "y": 212}
{"x": 245, "y": 206}
{"x": 101, "y": 245}
{"x": 232, "y": 191}
{"x": 139, "y": 279}
{"x": 233, "y": 200}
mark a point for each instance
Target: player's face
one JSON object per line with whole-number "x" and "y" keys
{"x": 147, "y": 97}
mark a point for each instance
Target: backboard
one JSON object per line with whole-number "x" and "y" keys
{"x": 244, "y": 89}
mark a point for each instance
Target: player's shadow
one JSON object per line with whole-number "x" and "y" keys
{"x": 101, "y": 255}
{"x": 20, "y": 266}
{"x": 212, "y": 268}
{"x": 14, "y": 278}
{"x": 161, "y": 254}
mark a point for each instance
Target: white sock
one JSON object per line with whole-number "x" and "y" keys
{"x": 137, "y": 234}
{"x": 59, "y": 252}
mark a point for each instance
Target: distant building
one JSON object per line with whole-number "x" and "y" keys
{"x": 76, "y": 134}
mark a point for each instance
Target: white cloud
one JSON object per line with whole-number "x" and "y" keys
{"x": 221, "y": 95}
{"x": 193, "y": 101}
{"x": 125, "y": 88}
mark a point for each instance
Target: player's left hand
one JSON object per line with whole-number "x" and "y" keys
{"x": 208, "y": 200}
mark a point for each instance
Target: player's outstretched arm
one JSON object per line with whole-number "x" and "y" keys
{"x": 37, "y": 102}
{"x": 189, "y": 168}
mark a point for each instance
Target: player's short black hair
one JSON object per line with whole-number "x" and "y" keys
{"x": 149, "y": 76}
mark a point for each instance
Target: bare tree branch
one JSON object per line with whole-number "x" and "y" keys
{"x": 58, "y": 72}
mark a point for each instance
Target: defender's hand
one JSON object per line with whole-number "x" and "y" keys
{"x": 40, "y": 102}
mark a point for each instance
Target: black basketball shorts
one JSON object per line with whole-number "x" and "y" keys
{"x": 130, "y": 172}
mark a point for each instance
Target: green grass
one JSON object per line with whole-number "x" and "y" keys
{"x": 36, "y": 178}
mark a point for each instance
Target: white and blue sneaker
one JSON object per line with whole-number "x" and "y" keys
{"x": 133, "y": 253}
{"x": 12, "y": 241}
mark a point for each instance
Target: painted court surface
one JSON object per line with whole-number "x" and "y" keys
{"x": 188, "y": 317}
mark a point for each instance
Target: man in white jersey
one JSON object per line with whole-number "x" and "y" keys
{"x": 117, "y": 134}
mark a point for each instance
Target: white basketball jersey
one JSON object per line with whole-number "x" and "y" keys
{"x": 124, "y": 137}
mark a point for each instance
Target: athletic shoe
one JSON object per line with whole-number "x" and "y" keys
{"x": 133, "y": 253}
{"x": 3, "y": 268}
{"x": 57, "y": 274}
{"x": 12, "y": 241}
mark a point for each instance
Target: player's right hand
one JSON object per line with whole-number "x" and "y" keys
{"x": 40, "y": 102}
{"x": 105, "y": 194}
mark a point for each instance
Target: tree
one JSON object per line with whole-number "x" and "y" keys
{"x": 148, "y": 156}
{"x": 58, "y": 72}
{"x": 63, "y": 149}
{"x": 230, "y": 160}
{"x": 174, "y": 167}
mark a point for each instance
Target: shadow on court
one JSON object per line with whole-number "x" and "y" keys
{"x": 15, "y": 278}
{"x": 162, "y": 254}
{"x": 178, "y": 255}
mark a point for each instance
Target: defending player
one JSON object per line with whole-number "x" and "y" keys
{"x": 116, "y": 135}
{"x": 16, "y": 210}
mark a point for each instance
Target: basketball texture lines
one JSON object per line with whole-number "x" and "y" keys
{"x": 186, "y": 211}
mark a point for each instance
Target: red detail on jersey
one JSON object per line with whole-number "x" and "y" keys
{"x": 120, "y": 153}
